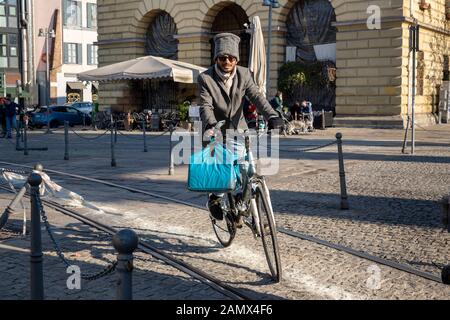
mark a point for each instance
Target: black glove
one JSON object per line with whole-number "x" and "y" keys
{"x": 210, "y": 126}
{"x": 275, "y": 123}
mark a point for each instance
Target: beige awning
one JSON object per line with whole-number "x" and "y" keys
{"x": 148, "y": 67}
{"x": 75, "y": 85}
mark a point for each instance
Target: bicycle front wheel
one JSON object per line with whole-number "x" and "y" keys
{"x": 268, "y": 233}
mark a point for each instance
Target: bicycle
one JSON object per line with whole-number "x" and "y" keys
{"x": 255, "y": 207}
{"x": 102, "y": 120}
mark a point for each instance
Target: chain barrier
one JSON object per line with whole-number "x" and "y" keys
{"x": 94, "y": 138}
{"x": 97, "y": 137}
{"x": 126, "y": 136}
{"x": 148, "y": 137}
{"x": 106, "y": 271}
{"x": 14, "y": 171}
{"x": 157, "y": 136}
{"x": 310, "y": 149}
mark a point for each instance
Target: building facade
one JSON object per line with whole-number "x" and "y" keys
{"x": 9, "y": 47}
{"x": 72, "y": 49}
{"x": 373, "y": 85}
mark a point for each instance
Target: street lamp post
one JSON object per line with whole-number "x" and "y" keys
{"x": 47, "y": 34}
{"x": 272, "y": 4}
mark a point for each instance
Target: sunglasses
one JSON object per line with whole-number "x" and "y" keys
{"x": 225, "y": 58}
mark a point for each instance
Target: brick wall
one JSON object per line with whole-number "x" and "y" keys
{"x": 369, "y": 70}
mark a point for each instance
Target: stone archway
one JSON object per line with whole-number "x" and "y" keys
{"x": 282, "y": 13}
{"x": 310, "y": 40}
{"x": 309, "y": 25}
{"x": 230, "y": 17}
{"x": 160, "y": 40}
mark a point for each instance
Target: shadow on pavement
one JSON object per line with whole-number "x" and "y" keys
{"x": 80, "y": 242}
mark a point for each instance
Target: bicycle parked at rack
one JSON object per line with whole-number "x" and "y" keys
{"x": 255, "y": 206}
{"x": 103, "y": 120}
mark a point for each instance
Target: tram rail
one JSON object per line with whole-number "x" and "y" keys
{"x": 194, "y": 272}
{"x": 291, "y": 233}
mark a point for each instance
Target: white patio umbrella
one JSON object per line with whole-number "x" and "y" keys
{"x": 148, "y": 67}
{"x": 257, "y": 63}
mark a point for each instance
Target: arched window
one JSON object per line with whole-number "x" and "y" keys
{"x": 160, "y": 39}
{"x": 308, "y": 24}
{"x": 232, "y": 19}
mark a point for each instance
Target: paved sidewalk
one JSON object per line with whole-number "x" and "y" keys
{"x": 394, "y": 214}
{"x": 91, "y": 250}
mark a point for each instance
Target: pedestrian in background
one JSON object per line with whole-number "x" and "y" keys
{"x": 11, "y": 112}
{"x": 307, "y": 112}
{"x": 295, "y": 111}
{"x": 277, "y": 102}
{"x": 2, "y": 117}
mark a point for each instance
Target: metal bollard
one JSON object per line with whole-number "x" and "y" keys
{"x": 115, "y": 132}
{"x": 125, "y": 242}
{"x": 171, "y": 165}
{"x": 445, "y": 205}
{"x": 39, "y": 167}
{"x": 25, "y": 141}
{"x": 406, "y": 136}
{"x": 36, "y": 276}
{"x": 344, "y": 200}
{"x": 113, "y": 157}
{"x": 445, "y": 275}
{"x": 18, "y": 129}
{"x": 66, "y": 140}
{"x": 145, "y": 137}
{"x": 22, "y": 129}
{"x": 323, "y": 120}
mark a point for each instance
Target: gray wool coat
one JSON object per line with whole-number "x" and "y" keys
{"x": 217, "y": 105}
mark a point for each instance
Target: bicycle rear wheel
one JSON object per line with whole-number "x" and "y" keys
{"x": 268, "y": 234}
{"x": 225, "y": 229}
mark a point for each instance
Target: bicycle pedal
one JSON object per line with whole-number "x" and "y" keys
{"x": 239, "y": 222}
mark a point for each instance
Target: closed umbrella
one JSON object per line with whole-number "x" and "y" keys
{"x": 257, "y": 64}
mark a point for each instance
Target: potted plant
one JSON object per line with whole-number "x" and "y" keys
{"x": 183, "y": 114}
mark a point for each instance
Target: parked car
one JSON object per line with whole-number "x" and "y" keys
{"x": 85, "y": 107}
{"x": 57, "y": 115}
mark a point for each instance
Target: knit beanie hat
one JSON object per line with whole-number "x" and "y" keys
{"x": 226, "y": 44}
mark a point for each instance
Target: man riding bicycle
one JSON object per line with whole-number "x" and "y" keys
{"x": 222, "y": 90}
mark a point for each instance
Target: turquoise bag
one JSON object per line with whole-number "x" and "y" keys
{"x": 213, "y": 169}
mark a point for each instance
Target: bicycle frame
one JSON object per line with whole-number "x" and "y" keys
{"x": 254, "y": 205}
{"x": 249, "y": 181}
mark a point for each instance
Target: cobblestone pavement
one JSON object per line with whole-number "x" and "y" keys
{"x": 92, "y": 251}
{"x": 394, "y": 213}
